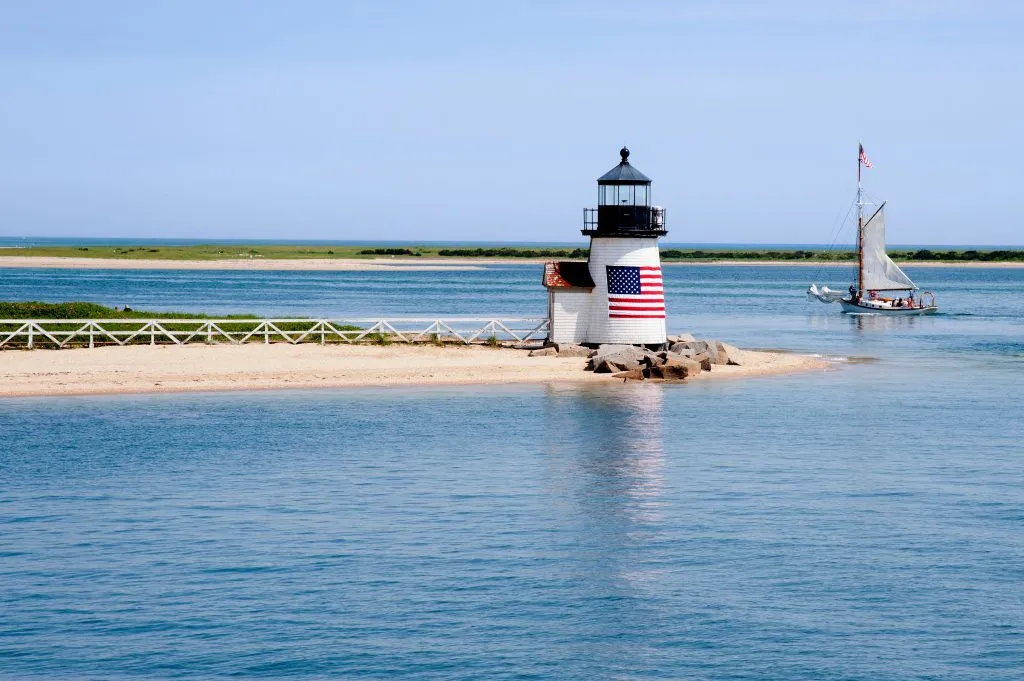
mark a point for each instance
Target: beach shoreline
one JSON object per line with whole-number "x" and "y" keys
{"x": 404, "y": 264}
{"x": 258, "y": 367}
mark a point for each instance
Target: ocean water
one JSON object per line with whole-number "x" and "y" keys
{"x": 753, "y": 306}
{"x": 860, "y": 523}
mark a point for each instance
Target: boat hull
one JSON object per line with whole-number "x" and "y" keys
{"x": 853, "y": 308}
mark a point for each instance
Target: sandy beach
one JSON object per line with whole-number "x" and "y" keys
{"x": 192, "y": 368}
{"x": 399, "y": 264}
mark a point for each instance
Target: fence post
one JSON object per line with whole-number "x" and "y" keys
{"x": 323, "y": 330}
{"x": 152, "y": 334}
{"x": 91, "y": 343}
{"x": 266, "y": 333}
{"x": 31, "y": 342}
{"x": 209, "y": 333}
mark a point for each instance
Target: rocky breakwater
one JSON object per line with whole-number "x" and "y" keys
{"x": 683, "y": 357}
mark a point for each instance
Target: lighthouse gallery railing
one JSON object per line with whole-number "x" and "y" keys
{"x": 64, "y": 333}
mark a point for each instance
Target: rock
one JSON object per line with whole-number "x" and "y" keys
{"x": 689, "y": 347}
{"x": 720, "y": 352}
{"x": 624, "y": 362}
{"x": 615, "y": 364}
{"x": 652, "y": 371}
{"x": 675, "y": 372}
{"x": 570, "y": 350}
{"x": 625, "y": 356}
{"x": 715, "y": 353}
{"x": 695, "y": 345}
{"x": 681, "y": 338}
{"x": 543, "y": 352}
{"x": 634, "y": 375}
{"x": 609, "y": 348}
{"x": 682, "y": 350}
{"x": 684, "y": 368}
{"x": 669, "y": 356}
{"x": 733, "y": 355}
{"x": 712, "y": 351}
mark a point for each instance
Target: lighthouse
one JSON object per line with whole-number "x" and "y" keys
{"x": 617, "y": 296}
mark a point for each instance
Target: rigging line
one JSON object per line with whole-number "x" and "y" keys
{"x": 836, "y": 232}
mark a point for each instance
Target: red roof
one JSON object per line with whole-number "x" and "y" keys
{"x": 567, "y": 274}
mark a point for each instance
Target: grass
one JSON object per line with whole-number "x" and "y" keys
{"x": 237, "y": 326}
{"x": 80, "y": 310}
{"x": 209, "y": 252}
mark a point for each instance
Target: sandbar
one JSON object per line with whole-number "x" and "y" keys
{"x": 256, "y": 264}
{"x": 200, "y": 368}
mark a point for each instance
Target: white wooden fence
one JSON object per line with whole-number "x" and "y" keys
{"x": 63, "y": 333}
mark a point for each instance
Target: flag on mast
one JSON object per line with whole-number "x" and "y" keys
{"x": 864, "y": 157}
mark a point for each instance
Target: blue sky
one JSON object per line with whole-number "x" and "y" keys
{"x": 491, "y": 121}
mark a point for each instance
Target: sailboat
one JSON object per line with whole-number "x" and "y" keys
{"x": 881, "y": 287}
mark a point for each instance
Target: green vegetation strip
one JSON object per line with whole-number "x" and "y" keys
{"x": 37, "y": 310}
{"x": 237, "y": 326}
{"x": 229, "y": 252}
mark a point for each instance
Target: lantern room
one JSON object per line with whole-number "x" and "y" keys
{"x": 624, "y": 205}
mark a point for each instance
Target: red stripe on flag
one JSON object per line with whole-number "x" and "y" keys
{"x": 637, "y": 308}
{"x": 636, "y": 316}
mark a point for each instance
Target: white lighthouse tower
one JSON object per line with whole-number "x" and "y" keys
{"x": 619, "y": 297}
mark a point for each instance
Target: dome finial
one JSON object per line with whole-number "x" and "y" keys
{"x": 624, "y": 153}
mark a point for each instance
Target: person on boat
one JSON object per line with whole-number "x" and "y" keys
{"x": 854, "y": 296}
{"x": 910, "y": 299}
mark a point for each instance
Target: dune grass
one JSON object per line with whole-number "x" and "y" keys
{"x": 236, "y": 325}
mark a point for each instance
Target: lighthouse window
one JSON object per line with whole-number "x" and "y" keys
{"x": 624, "y": 195}
{"x": 642, "y": 195}
{"x": 609, "y": 195}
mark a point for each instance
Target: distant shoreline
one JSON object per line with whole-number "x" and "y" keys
{"x": 308, "y": 264}
{"x": 410, "y": 264}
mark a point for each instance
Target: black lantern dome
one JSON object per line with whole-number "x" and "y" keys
{"x": 624, "y": 205}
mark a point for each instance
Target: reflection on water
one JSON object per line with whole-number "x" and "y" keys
{"x": 617, "y": 439}
{"x": 882, "y": 323}
{"x": 611, "y": 443}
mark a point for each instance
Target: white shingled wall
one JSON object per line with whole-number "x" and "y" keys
{"x": 606, "y": 251}
{"x": 569, "y": 314}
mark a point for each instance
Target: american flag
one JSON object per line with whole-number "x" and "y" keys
{"x": 635, "y": 293}
{"x": 864, "y": 157}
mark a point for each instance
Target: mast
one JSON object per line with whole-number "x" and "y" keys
{"x": 860, "y": 223}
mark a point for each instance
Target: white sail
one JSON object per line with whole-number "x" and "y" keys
{"x": 880, "y": 272}
{"x": 824, "y": 294}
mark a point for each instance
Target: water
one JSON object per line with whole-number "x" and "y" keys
{"x": 864, "y": 523}
{"x": 753, "y": 306}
